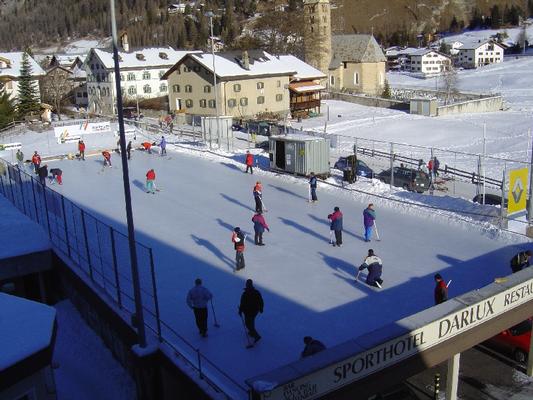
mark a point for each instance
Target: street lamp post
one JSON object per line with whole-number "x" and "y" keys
{"x": 127, "y": 193}
{"x": 210, "y": 15}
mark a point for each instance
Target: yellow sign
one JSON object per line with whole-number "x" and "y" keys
{"x": 517, "y": 190}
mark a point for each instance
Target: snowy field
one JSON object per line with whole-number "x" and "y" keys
{"x": 308, "y": 285}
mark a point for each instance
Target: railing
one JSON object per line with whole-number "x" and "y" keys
{"x": 100, "y": 253}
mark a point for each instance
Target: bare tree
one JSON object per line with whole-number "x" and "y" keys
{"x": 56, "y": 87}
{"x": 450, "y": 81}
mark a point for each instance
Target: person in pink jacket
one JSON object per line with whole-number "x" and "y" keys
{"x": 259, "y": 227}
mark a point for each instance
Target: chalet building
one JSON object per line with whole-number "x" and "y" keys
{"x": 140, "y": 75}
{"x": 248, "y": 83}
{"x": 428, "y": 62}
{"x": 10, "y": 66}
{"x": 478, "y": 53}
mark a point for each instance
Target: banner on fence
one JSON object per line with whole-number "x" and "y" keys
{"x": 68, "y": 133}
{"x": 517, "y": 190}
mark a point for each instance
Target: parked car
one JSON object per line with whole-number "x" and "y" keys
{"x": 407, "y": 178}
{"x": 262, "y": 145}
{"x": 490, "y": 199}
{"x": 514, "y": 341}
{"x": 361, "y": 168}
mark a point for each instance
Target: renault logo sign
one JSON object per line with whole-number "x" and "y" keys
{"x": 517, "y": 190}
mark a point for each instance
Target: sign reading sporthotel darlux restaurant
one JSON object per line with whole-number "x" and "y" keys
{"x": 363, "y": 364}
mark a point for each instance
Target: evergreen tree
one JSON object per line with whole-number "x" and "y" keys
{"x": 454, "y": 25}
{"x": 495, "y": 17}
{"x": 7, "y": 110}
{"x": 28, "y": 102}
{"x": 444, "y": 48}
{"x": 386, "y": 94}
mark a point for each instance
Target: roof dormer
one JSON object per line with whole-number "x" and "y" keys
{"x": 163, "y": 55}
{"x": 140, "y": 57}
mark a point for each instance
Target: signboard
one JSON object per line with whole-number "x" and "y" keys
{"x": 10, "y": 146}
{"x": 63, "y": 133}
{"x": 356, "y": 367}
{"x": 518, "y": 179}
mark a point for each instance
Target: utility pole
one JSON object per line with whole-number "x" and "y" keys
{"x": 210, "y": 15}
{"x": 141, "y": 335}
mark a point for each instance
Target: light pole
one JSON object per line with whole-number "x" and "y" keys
{"x": 127, "y": 193}
{"x": 210, "y": 15}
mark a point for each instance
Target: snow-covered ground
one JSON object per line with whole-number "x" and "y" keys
{"x": 307, "y": 284}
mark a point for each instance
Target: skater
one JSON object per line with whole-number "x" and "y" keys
{"x": 258, "y": 196}
{"x": 521, "y": 260}
{"x": 249, "y": 162}
{"x": 81, "y": 150}
{"x": 369, "y": 215}
{"x": 375, "y": 268}
{"x": 197, "y": 300}
{"x": 336, "y": 226}
{"x": 163, "y": 145}
{"x": 36, "y": 161}
{"x": 56, "y": 176}
{"x": 117, "y": 150}
{"x": 20, "y": 159}
{"x": 259, "y": 228}
{"x": 147, "y": 146}
{"x": 238, "y": 239}
{"x": 43, "y": 174}
{"x": 150, "y": 178}
{"x": 430, "y": 170}
{"x": 312, "y": 346}
{"x": 312, "y": 187}
{"x": 107, "y": 158}
{"x": 436, "y": 165}
{"x": 128, "y": 149}
{"x": 441, "y": 290}
{"x": 251, "y": 304}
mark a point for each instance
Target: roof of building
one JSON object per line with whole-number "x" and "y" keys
{"x": 66, "y": 60}
{"x": 473, "y": 43}
{"x": 27, "y": 328}
{"x": 15, "y": 59}
{"x": 423, "y": 52}
{"x": 142, "y": 58}
{"x": 304, "y": 71}
{"x": 231, "y": 64}
{"x": 359, "y": 48}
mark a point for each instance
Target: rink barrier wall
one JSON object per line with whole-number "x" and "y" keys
{"x": 99, "y": 254}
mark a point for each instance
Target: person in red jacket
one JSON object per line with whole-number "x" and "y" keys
{"x": 81, "y": 150}
{"x": 238, "y": 238}
{"x": 441, "y": 290}
{"x": 107, "y": 158}
{"x": 259, "y": 228}
{"x": 249, "y": 162}
{"x": 150, "y": 178}
{"x": 36, "y": 161}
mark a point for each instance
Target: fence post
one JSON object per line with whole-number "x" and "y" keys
{"x": 502, "y": 205}
{"x": 46, "y": 211}
{"x": 199, "y": 363}
{"x": 86, "y": 244}
{"x": 115, "y": 267}
{"x": 34, "y": 199}
{"x": 154, "y": 289}
{"x": 65, "y": 224}
{"x": 391, "y": 165}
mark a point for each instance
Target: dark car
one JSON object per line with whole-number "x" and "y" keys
{"x": 514, "y": 341}
{"x": 407, "y": 178}
{"x": 262, "y": 145}
{"x": 361, "y": 168}
{"x": 490, "y": 199}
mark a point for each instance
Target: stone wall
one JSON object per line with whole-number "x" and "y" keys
{"x": 489, "y": 104}
{"x": 367, "y": 100}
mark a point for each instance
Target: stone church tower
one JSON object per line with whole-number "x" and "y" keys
{"x": 317, "y": 34}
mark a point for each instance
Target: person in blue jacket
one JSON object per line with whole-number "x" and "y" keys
{"x": 369, "y": 215}
{"x": 163, "y": 145}
{"x": 197, "y": 300}
{"x": 312, "y": 187}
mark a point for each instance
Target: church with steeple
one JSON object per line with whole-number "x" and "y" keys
{"x": 352, "y": 62}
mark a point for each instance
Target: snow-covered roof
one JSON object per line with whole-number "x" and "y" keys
{"x": 142, "y": 58}
{"x": 423, "y": 52}
{"x": 304, "y": 71}
{"x": 473, "y": 43}
{"x": 15, "y": 64}
{"x": 27, "y": 327}
{"x": 231, "y": 64}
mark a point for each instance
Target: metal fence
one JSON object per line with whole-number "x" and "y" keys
{"x": 100, "y": 253}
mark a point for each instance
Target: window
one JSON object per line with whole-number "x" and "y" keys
{"x": 146, "y": 75}
{"x": 212, "y": 104}
{"x": 121, "y": 77}
{"x": 332, "y": 80}
{"x": 261, "y": 100}
{"x": 232, "y": 103}
{"x": 176, "y": 88}
{"x": 237, "y": 87}
{"x": 131, "y": 76}
{"x": 279, "y": 97}
{"x": 278, "y": 83}
{"x": 188, "y": 103}
{"x": 207, "y": 89}
{"x": 186, "y": 69}
{"x": 260, "y": 85}
{"x": 147, "y": 89}
{"x": 243, "y": 101}
{"x": 188, "y": 89}
{"x": 163, "y": 88}
{"x": 161, "y": 73}
{"x": 78, "y": 94}
{"x": 203, "y": 103}
{"x": 132, "y": 90}
{"x": 356, "y": 78}
{"x": 196, "y": 68}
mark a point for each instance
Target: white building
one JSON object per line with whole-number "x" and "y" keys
{"x": 140, "y": 73}
{"x": 478, "y": 53}
{"x": 428, "y": 62}
{"x": 10, "y": 65}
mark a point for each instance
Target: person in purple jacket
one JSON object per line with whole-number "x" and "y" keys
{"x": 369, "y": 215}
{"x": 259, "y": 228}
